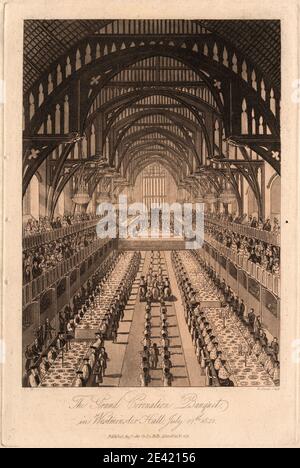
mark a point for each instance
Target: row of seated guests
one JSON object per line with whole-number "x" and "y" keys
{"x": 207, "y": 348}
{"x": 68, "y": 322}
{"x": 247, "y": 220}
{"x": 258, "y": 252}
{"x": 91, "y": 372}
{"x": 115, "y": 314}
{"x": 151, "y": 351}
{"x": 115, "y": 311}
{"x": 43, "y": 224}
{"x": 71, "y": 316}
{"x": 46, "y": 334}
{"x": 266, "y": 352}
{"x": 45, "y": 257}
{"x": 94, "y": 367}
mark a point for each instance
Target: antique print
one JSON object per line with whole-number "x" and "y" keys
{"x": 151, "y": 203}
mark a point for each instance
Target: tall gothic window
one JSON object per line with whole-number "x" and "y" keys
{"x": 154, "y": 185}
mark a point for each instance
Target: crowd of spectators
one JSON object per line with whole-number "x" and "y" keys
{"x": 43, "y": 224}
{"x": 45, "y": 257}
{"x": 245, "y": 220}
{"x": 255, "y": 250}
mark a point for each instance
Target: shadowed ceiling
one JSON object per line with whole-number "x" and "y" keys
{"x": 46, "y": 40}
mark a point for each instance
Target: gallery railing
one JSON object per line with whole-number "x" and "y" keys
{"x": 35, "y": 240}
{"x": 264, "y": 236}
{"x": 35, "y": 287}
{"x": 267, "y": 279}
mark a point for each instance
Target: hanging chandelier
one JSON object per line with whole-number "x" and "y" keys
{"x": 103, "y": 197}
{"x": 227, "y": 195}
{"x": 210, "y": 198}
{"x": 81, "y": 197}
{"x": 199, "y": 199}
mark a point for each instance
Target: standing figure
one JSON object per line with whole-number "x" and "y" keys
{"x": 208, "y": 374}
{"x": 79, "y": 379}
{"x": 103, "y": 358}
{"x": 251, "y": 319}
{"x": 114, "y": 335}
{"x": 29, "y": 358}
{"x": 44, "y": 366}
{"x": 145, "y": 377}
{"x": 98, "y": 373}
{"x": 154, "y": 353}
{"x": 92, "y": 357}
{"x": 40, "y": 337}
{"x": 155, "y": 293}
{"x": 86, "y": 371}
{"x": 34, "y": 378}
{"x": 167, "y": 378}
{"x": 60, "y": 342}
{"x": 165, "y": 340}
{"x": 275, "y": 348}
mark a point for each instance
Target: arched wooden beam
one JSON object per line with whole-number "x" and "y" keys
{"x": 272, "y": 179}
{"x": 184, "y": 122}
{"x": 34, "y": 165}
{"x": 147, "y": 93}
{"x": 126, "y": 58}
{"x": 219, "y": 73}
{"x": 110, "y": 66}
{"x": 53, "y": 95}
{"x": 115, "y": 62}
{"x": 185, "y": 99}
{"x": 166, "y": 133}
{"x": 118, "y": 104}
{"x": 122, "y": 136}
{"x": 61, "y": 185}
{"x": 147, "y": 145}
{"x": 187, "y": 142}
